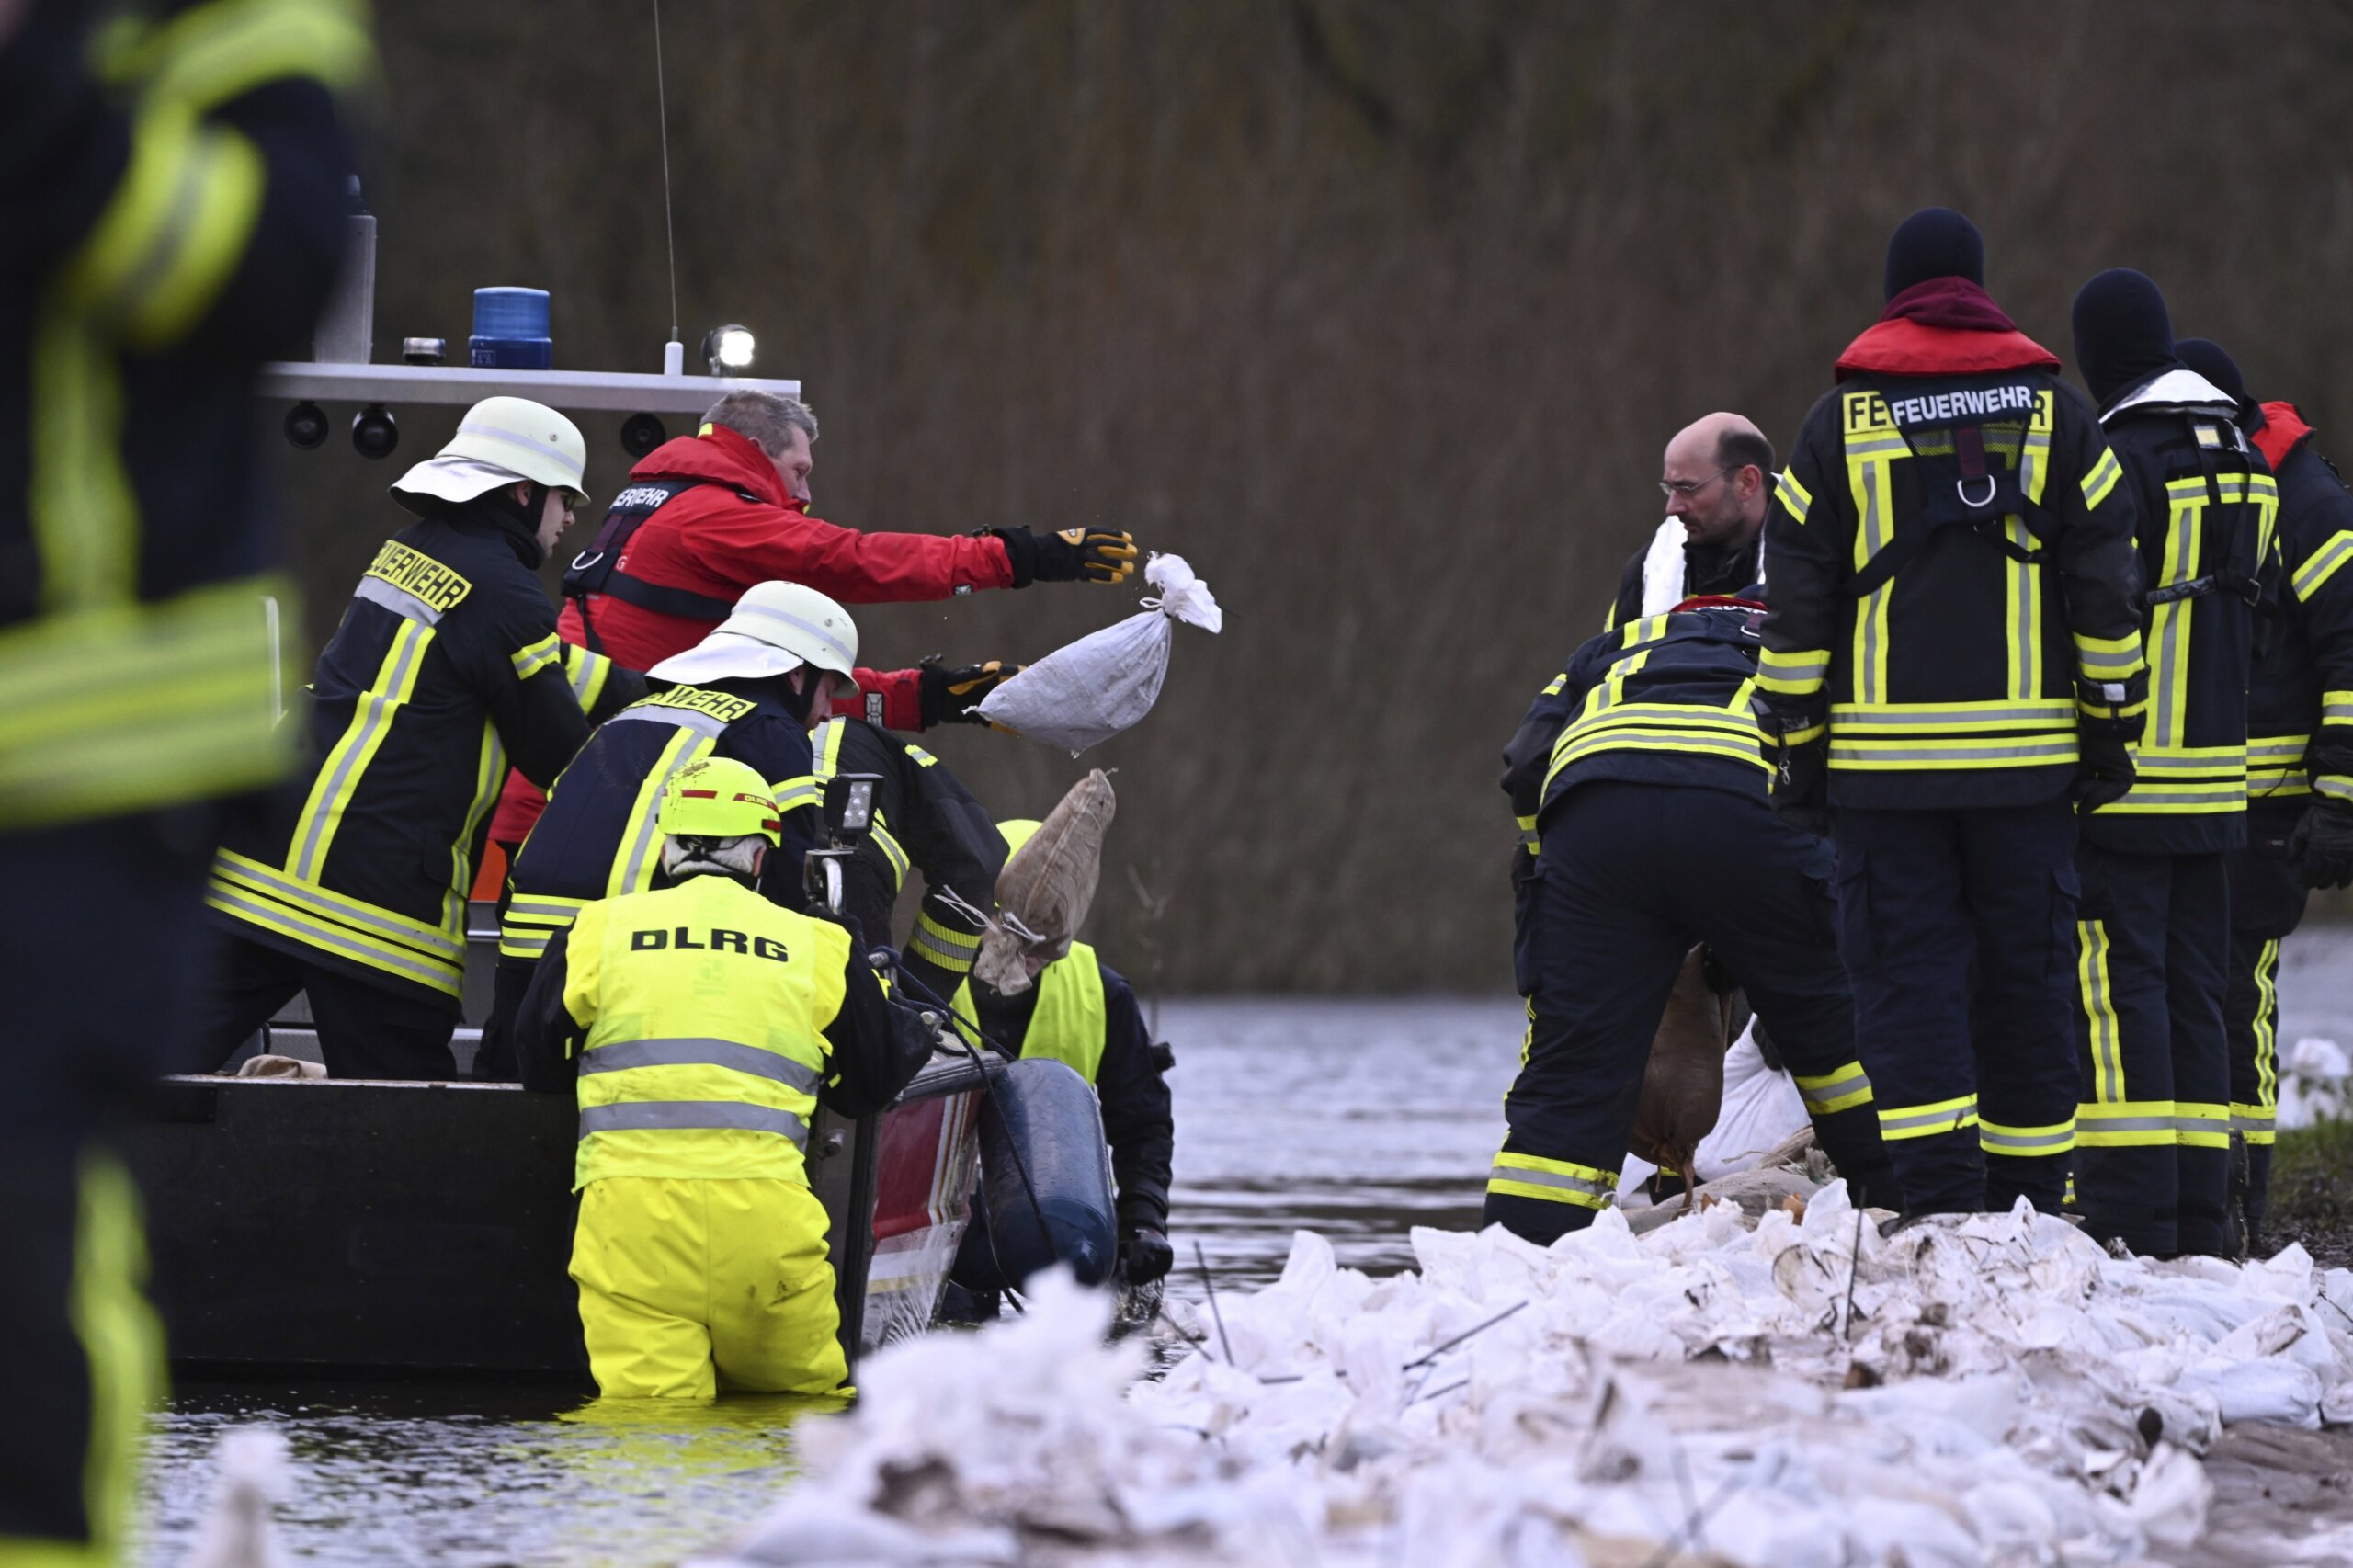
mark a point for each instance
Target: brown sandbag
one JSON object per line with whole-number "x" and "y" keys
{"x": 1683, "y": 1087}
{"x": 1043, "y": 893}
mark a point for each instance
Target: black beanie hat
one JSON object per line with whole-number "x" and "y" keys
{"x": 2208, "y": 358}
{"x": 1935, "y": 242}
{"x": 2123, "y": 336}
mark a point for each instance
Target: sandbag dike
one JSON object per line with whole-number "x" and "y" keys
{"x": 1990, "y": 1389}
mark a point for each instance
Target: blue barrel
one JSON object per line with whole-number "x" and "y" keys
{"x": 1048, "y": 1113}
{"x": 510, "y": 330}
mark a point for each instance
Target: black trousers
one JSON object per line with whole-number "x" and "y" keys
{"x": 2268, "y": 903}
{"x": 97, "y": 936}
{"x": 1958, "y": 927}
{"x": 365, "y": 1031}
{"x": 2152, "y": 1135}
{"x": 1630, "y": 877}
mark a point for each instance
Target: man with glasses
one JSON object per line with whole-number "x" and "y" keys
{"x": 1717, "y": 479}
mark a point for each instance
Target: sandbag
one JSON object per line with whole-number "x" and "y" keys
{"x": 1089, "y": 690}
{"x": 1683, "y": 1087}
{"x": 1043, "y": 894}
{"x": 281, "y": 1067}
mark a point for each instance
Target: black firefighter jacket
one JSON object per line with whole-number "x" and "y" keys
{"x": 2205, "y": 500}
{"x": 446, "y": 668}
{"x": 2300, "y": 703}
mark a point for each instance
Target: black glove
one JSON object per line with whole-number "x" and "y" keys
{"x": 2322, "y": 846}
{"x": 949, "y": 696}
{"x": 1802, "y": 784}
{"x": 1073, "y": 555}
{"x": 1145, "y": 1254}
{"x": 2105, "y": 772}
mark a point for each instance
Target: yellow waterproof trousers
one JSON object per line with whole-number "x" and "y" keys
{"x": 689, "y": 1287}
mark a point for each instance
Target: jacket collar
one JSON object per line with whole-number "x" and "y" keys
{"x": 2176, "y": 390}
{"x": 721, "y": 457}
{"x": 1946, "y": 326}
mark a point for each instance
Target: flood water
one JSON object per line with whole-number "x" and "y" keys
{"x": 1356, "y": 1118}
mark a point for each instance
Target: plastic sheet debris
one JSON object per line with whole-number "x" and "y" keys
{"x": 1085, "y": 692}
{"x": 1047, "y": 887}
{"x": 1762, "y": 1110}
{"x": 2312, "y": 1082}
{"x": 1795, "y": 1392}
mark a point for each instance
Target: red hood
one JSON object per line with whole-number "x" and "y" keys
{"x": 2283, "y": 427}
{"x": 1946, "y": 326}
{"x": 720, "y": 456}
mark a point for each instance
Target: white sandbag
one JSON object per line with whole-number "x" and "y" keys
{"x": 2313, "y": 1083}
{"x": 1087, "y": 691}
{"x": 267, "y": 1066}
{"x": 1761, "y": 1110}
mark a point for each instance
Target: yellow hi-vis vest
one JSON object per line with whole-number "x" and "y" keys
{"x": 706, "y": 1007}
{"x": 1071, "y": 1020}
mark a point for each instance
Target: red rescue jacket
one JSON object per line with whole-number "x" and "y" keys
{"x": 711, "y": 540}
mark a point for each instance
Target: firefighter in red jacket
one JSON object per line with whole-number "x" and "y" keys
{"x": 705, "y": 516}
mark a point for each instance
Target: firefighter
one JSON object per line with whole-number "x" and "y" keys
{"x": 136, "y": 675}
{"x": 749, "y": 691}
{"x": 446, "y": 666}
{"x": 924, "y": 817}
{"x": 1954, "y": 649}
{"x": 702, "y": 1025}
{"x": 2299, "y": 756}
{"x": 1639, "y": 778}
{"x": 2153, "y": 1131}
{"x": 706, "y": 515}
{"x": 1082, "y": 1012}
{"x": 1717, "y": 478}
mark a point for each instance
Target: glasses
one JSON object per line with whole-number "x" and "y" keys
{"x": 1687, "y": 488}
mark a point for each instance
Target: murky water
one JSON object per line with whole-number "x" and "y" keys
{"x": 1356, "y": 1118}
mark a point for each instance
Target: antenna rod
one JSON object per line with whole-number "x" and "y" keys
{"x": 669, "y": 232}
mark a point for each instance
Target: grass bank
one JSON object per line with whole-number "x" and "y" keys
{"x": 2311, "y": 1192}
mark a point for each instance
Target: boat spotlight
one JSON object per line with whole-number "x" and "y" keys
{"x": 640, "y": 433}
{"x": 306, "y": 425}
{"x": 374, "y": 434}
{"x": 728, "y": 349}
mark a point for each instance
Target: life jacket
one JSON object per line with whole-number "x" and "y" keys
{"x": 596, "y": 570}
{"x": 1071, "y": 1022}
{"x": 706, "y": 1009}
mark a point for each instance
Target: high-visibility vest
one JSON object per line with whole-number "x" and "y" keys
{"x": 706, "y": 1007}
{"x": 1071, "y": 1022}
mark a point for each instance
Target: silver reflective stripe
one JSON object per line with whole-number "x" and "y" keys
{"x": 2050, "y": 715}
{"x": 1551, "y": 1178}
{"x": 685, "y": 718}
{"x": 2056, "y": 750}
{"x": 624, "y": 1055}
{"x": 2263, "y": 1122}
{"x": 1867, "y": 677}
{"x": 2005, "y": 1143}
{"x": 1950, "y": 1118}
{"x": 669, "y": 1116}
{"x": 376, "y": 709}
{"x": 550, "y": 908}
{"x": 2220, "y": 799}
{"x": 400, "y": 601}
{"x": 2127, "y": 1124}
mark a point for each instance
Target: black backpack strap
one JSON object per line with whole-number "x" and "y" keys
{"x": 1966, "y": 491}
{"x": 2210, "y": 448}
{"x": 596, "y": 570}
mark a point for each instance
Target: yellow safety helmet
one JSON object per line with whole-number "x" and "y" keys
{"x": 719, "y": 797}
{"x": 1017, "y": 832}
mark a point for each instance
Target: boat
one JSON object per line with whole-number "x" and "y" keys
{"x": 342, "y": 1228}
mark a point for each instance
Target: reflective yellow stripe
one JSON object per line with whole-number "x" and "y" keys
{"x": 2275, "y": 766}
{"x": 122, "y": 1350}
{"x": 2032, "y": 1142}
{"x": 2099, "y": 1011}
{"x": 919, "y": 756}
{"x": 2180, "y": 780}
{"x": 1528, "y": 840}
{"x": 531, "y": 661}
{"x": 1918, "y": 718}
{"x": 891, "y": 852}
{"x": 336, "y": 924}
{"x": 1799, "y": 673}
{"x": 2198, "y": 1126}
{"x": 2104, "y": 659}
{"x": 1841, "y": 1089}
{"x": 790, "y": 794}
{"x": 2102, "y": 478}
{"x": 946, "y": 948}
{"x": 637, "y": 856}
{"x": 1551, "y": 1181}
{"x": 1558, "y": 683}
{"x": 2266, "y": 1031}
{"x": 2322, "y": 565}
{"x": 2022, "y": 580}
{"x": 2333, "y": 787}
{"x": 373, "y": 715}
{"x": 1899, "y": 1122}
{"x": 138, "y": 706}
{"x": 173, "y": 233}
{"x": 211, "y": 53}
{"x": 1650, "y": 629}
{"x": 2169, "y": 624}
{"x": 490, "y": 778}
{"x": 2336, "y": 708}
{"x": 1939, "y": 756}
{"x": 1794, "y": 497}
{"x": 2128, "y": 1124}
{"x": 1870, "y": 476}
{"x": 586, "y": 673}
{"x": 825, "y": 747}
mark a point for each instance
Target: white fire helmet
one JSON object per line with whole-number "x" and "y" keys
{"x": 502, "y": 440}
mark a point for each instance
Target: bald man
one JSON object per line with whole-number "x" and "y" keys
{"x": 1717, "y": 476}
